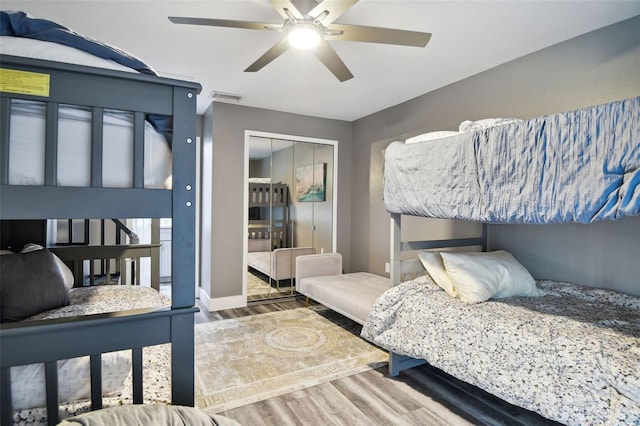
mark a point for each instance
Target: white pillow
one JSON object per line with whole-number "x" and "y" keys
{"x": 432, "y": 262}
{"x": 471, "y": 126}
{"x": 477, "y": 277}
{"x": 64, "y": 269}
{"x": 431, "y": 136}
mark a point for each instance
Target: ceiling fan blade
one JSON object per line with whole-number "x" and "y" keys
{"x": 331, "y": 60}
{"x": 379, "y": 35}
{"x": 222, "y": 23}
{"x": 281, "y": 6}
{"x": 278, "y": 49}
{"x": 333, "y": 8}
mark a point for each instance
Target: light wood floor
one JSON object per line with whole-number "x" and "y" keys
{"x": 419, "y": 396}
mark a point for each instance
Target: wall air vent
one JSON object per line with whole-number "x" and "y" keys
{"x": 225, "y": 97}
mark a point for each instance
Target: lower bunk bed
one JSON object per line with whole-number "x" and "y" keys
{"x": 124, "y": 374}
{"x": 572, "y": 355}
{"x": 101, "y": 346}
{"x": 28, "y": 383}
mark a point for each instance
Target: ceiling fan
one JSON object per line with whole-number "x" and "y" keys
{"x": 313, "y": 30}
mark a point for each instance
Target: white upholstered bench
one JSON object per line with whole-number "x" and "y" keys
{"x": 320, "y": 277}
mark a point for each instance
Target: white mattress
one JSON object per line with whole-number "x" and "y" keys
{"x": 27, "y": 144}
{"x": 26, "y": 153}
{"x": 32, "y": 48}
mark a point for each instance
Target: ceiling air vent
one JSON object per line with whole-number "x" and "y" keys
{"x": 225, "y": 97}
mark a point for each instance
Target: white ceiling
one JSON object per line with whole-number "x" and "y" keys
{"x": 468, "y": 37}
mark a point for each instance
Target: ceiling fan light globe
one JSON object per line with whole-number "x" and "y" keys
{"x": 304, "y": 36}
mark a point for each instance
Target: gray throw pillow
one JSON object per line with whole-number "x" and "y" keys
{"x": 30, "y": 283}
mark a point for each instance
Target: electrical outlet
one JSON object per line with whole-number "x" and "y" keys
{"x": 387, "y": 267}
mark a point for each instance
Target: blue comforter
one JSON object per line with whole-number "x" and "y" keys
{"x": 578, "y": 166}
{"x": 20, "y": 24}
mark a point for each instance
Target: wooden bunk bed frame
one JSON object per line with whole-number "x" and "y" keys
{"x": 75, "y": 255}
{"x": 270, "y": 196}
{"x": 49, "y": 341}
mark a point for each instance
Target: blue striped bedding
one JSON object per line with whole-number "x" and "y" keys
{"x": 578, "y": 166}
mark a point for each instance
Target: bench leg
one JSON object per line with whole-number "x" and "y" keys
{"x": 306, "y": 302}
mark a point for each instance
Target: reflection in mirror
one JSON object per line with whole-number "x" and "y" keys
{"x": 290, "y": 211}
{"x": 312, "y": 204}
{"x": 268, "y": 275}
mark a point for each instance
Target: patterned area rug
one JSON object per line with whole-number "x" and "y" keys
{"x": 249, "y": 359}
{"x": 257, "y": 286}
{"x": 258, "y": 289}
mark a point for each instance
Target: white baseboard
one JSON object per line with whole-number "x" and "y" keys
{"x": 220, "y": 303}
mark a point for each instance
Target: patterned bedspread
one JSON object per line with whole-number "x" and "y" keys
{"x": 572, "y": 355}
{"x": 74, "y": 374}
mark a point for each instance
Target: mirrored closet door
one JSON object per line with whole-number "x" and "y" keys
{"x": 290, "y": 211}
{"x": 313, "y": 196}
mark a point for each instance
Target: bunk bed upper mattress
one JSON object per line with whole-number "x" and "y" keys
{"x": 27, "y": 127}
{"x": 578, "y": 166}
{"x": 27, "y": 148}
{"x": 572, "y": 355}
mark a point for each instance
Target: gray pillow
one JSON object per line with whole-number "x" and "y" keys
{"x": 30, "y": 283}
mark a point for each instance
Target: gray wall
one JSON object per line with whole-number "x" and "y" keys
{"x": 223, "y": 132}
{"x": 597, "y": 67}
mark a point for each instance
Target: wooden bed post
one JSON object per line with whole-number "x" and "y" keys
{"x": 183, "y": 240}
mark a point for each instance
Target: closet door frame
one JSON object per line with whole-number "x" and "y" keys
{"x": 294, "y": 138}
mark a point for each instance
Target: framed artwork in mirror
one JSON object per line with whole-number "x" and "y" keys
{"x": 311, "y": 182}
